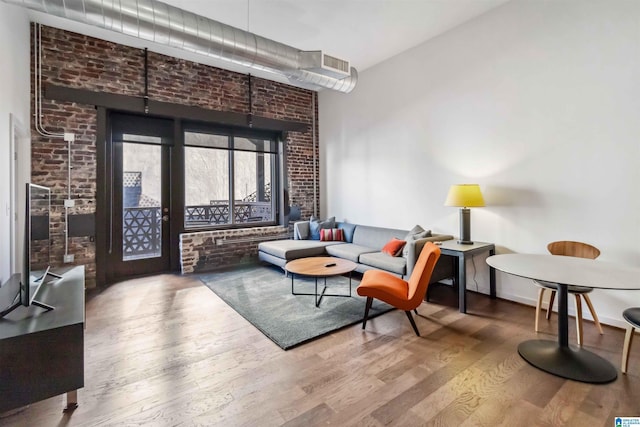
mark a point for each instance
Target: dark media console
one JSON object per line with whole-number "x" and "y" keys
{"x": 42, "y": 352}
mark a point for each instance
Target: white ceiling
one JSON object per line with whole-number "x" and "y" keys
{"x": 364, "y": 32}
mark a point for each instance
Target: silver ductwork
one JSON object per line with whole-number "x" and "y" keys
{"x": 161, "y": 23}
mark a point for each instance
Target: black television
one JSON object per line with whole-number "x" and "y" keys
{"x": 36, "y": 253}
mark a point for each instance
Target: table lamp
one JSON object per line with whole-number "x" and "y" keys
{"x": 465, "y": 196}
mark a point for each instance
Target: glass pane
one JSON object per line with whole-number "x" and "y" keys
{"x": 252, "y": 187}
{"x": 141, "y": 138}
{"x": 206, "y": 140}
{"x": 141, "y": 201}
{"x": 254, "y": 144}
{"x": 206, "y": 186}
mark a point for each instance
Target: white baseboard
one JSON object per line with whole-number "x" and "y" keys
{"x": 572, "y": 312}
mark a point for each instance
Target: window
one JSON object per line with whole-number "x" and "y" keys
{"x": 229, "y": 178}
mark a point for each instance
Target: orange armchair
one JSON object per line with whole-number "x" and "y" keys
{"x": 404, "y": 295}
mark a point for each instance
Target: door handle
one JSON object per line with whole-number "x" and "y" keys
{"x": 165, "y": 218}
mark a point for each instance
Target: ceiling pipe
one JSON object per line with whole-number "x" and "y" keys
{"x": 161, "y": 23}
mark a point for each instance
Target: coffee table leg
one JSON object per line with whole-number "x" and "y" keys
{"x": 318, "y": 296}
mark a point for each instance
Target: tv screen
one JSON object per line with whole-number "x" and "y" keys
{"x": 35, "y": 258}
{"x": 36, "y": 243}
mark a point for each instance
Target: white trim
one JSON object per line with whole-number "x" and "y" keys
{"x": 18, "y": 135}
{"x": 604, "y": 320}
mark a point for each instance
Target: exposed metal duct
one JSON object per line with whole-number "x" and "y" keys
{"x": 161, "y": 23}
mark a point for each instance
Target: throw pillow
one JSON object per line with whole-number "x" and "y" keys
{"x": 315, "y": 225}
{"x": 394, "y": 247}
{"x": 416, "y": 233}
{"x": 331, "y": 234}
{"x": 348, "y": 230}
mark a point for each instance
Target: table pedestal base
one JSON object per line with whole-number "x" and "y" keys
{"x": 567, "y": 362}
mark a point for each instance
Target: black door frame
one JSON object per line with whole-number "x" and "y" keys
{"x": 105, "y": 158}
{"x": 176, "y": 201}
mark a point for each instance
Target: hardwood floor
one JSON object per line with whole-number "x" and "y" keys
{"x": 165, "y": 351}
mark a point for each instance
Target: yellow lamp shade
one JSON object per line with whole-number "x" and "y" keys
{"x": 465, "y": 195}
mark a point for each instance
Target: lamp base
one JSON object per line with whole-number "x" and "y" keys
{"x": 465, "y": 227}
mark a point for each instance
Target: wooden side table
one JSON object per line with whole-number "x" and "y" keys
{"x": 461, "y": 253}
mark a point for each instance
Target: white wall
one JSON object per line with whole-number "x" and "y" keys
{"x": 14, "y": 99}
{"x": 536, "y": 101}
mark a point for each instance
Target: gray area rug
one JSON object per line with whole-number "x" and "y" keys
{"x": 262, "y": 295}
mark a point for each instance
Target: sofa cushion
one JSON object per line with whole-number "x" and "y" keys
{"x": 315, "y": 225}
{"x": 294, "y": 249}
{"x": 349, "y": 251}
{"x": 394, "y": 247}
{"x": 383, "y": 261}
{"x": 375, "y": 237}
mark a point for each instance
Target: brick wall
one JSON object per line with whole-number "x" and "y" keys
{"x": 208, "y": 250}
{"x": 77, "y": 61}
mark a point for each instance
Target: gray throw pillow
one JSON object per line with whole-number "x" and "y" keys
{"x": 315, "y": 225}
{"x": 416, "y": 233}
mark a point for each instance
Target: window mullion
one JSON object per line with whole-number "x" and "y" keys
{"x": 232, "y": 195}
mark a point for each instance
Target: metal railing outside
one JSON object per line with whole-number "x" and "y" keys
{"x": 142, "y": 226}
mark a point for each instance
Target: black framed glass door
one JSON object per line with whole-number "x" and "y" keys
{"x": 140, "y": 197}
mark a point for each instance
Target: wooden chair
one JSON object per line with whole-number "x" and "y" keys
{"x": 575, "y": 249}
{"x": 405, "y": 295}
{"x": 632, "y": 316}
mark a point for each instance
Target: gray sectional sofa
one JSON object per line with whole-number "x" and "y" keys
{"x": 362, "y": 244}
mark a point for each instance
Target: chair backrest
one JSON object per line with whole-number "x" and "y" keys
{"x": 421, "y": 274}
{"x": 575, "y": 249}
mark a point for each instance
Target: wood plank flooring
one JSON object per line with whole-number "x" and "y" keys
{"x": 166, "y": 351}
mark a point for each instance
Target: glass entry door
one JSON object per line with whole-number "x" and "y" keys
{"x": 140, "y": 200}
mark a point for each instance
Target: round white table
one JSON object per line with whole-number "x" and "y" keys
{"x": 559, "y": 358}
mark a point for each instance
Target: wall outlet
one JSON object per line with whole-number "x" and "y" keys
{"x": 68, "y": 258}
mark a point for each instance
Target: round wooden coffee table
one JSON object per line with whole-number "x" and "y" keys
{"x": 320, "y": 267}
